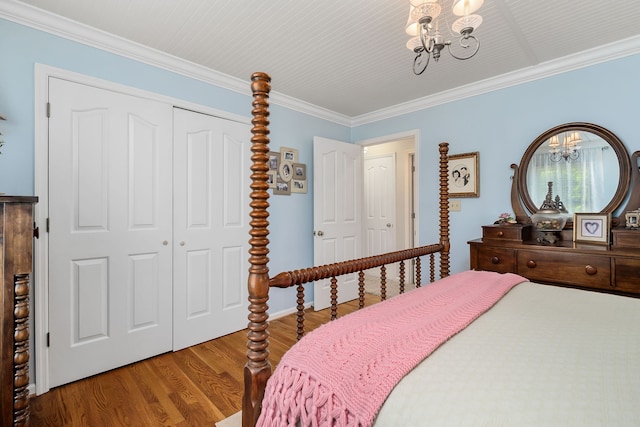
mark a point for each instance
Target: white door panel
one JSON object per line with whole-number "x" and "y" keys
{"x": 211, "y": 228}
{"x": 110, "y": 212}
{"x": 380, "y": 207}
{"x": 338, "y": 182}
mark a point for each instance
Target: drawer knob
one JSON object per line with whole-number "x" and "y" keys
{"x": 495, "y": 260}
{"x": 531, "y": 264}
{"x": 500, "y": 233}
{"x": 590, "y": 270}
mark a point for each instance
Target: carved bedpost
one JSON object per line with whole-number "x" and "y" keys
{"x": 258, "y": 369}
{"x": 444, "y": 209}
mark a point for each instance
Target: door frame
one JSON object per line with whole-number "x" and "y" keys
{"x": 411, "y": 199}
{"x": 40, "y": 279}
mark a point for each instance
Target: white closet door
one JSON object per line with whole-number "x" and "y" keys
{"x": 110, "y": 178}
{"x": 212, "y": 157}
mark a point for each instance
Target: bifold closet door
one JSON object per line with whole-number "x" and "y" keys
{"x": 212, "y": 157}
{"x": 110, "y": 216}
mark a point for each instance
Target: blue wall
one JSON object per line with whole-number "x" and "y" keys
{"x": 22, "y": 47}
{"x": 500, "y": 125}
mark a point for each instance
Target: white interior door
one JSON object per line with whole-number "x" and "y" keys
{"x": 110, "y": 217}
{"x": 337, "y": 213}
{"x": 212, "y": 157}
{"x": 380, "y": 207}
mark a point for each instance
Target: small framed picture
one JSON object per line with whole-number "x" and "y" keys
{"x": 286, "y": 170}
{"x": 299, "y": 186}
{"x": 591, "y": 228}
{"x": 464, "y": 176}
{"x": 289, "y": 154}
{"x": 632, "y": 219}
{"x": 272, "y": 178}
{"x": 282, "y": 188}
{"x": 299, "y": 171}
{"x": 274, "y": 160}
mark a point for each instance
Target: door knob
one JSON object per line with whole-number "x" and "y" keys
{"x": 165, "y": 243}
{"x": 320, "y": 233}
{"x": 389, "y": 225}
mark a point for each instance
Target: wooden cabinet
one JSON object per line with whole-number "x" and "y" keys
{"x": 613, "y": 269}
{"x": 16, "y": 249}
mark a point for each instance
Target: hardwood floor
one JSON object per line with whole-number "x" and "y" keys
{"x": 194, "y": 387}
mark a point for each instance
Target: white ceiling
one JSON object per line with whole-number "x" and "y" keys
{"x": 349, "y": 56}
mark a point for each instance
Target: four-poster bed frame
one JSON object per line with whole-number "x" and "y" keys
{"x": 258, "y": 369}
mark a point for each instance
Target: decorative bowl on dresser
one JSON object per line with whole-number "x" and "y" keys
{"x": 518, "y": 249}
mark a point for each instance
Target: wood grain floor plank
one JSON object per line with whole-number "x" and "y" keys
{"x": 194, "y": 387}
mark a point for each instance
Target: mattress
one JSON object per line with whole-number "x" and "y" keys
{"x": 542, "y": 356}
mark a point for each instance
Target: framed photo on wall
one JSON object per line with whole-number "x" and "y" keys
{"x": 299, "y": 182}
{"x": 288, "y": 154}
{"x": 464, "y": 176}
{"x": 591, "y": 227}
{"x": 274, "y": 161}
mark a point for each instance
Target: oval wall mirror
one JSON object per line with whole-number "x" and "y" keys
{"x": 587, "y": 164}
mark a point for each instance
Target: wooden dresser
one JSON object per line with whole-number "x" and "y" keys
{"x": 518, "y": 248}
{"x": 511, "y": 248}
{"x": 16, "y": 249}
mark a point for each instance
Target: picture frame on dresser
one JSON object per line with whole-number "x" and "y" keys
{"x": 464, "y": 176}
{"x": 591, "y": 228}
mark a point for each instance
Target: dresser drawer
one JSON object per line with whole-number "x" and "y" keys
{"x": 623, "y": 238}
{"x": 627, "y": 274}
{"x": 513, "y": 232}
{"x": 573, "y": 269}
{"x": 501, "y": 260}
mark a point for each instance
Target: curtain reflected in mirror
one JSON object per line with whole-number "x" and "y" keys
{"x": 583, "y": 167}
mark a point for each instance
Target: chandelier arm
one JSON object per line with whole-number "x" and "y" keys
{"x": 421, "y": 58}
{"x": 464, "y": 45}
{"x": 425, "y": 38}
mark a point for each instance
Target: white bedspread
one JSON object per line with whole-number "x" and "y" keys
{"x": 542, "y": 356}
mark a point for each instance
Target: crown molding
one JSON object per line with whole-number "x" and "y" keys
{"x": 53, "y": 24}
{"x": 619, "y": 49}
{"x": 63, "y": 27}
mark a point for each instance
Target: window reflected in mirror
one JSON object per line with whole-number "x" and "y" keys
{"x": 582, "y": 166}
{"x": 588, "y": 165}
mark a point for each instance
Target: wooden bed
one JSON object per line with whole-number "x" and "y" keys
{"x": 529, "y": 354}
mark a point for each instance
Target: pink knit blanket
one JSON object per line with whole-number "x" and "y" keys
{"x": 341, "y": 373}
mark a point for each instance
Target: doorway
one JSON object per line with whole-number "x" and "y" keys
{"x": 401, "y": 148}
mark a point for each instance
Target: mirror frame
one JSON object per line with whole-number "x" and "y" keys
{"x": 615, "y": 143}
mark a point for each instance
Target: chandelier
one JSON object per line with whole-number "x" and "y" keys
{"x": 425, "y": 28}
{"x": 569, "y": 149}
